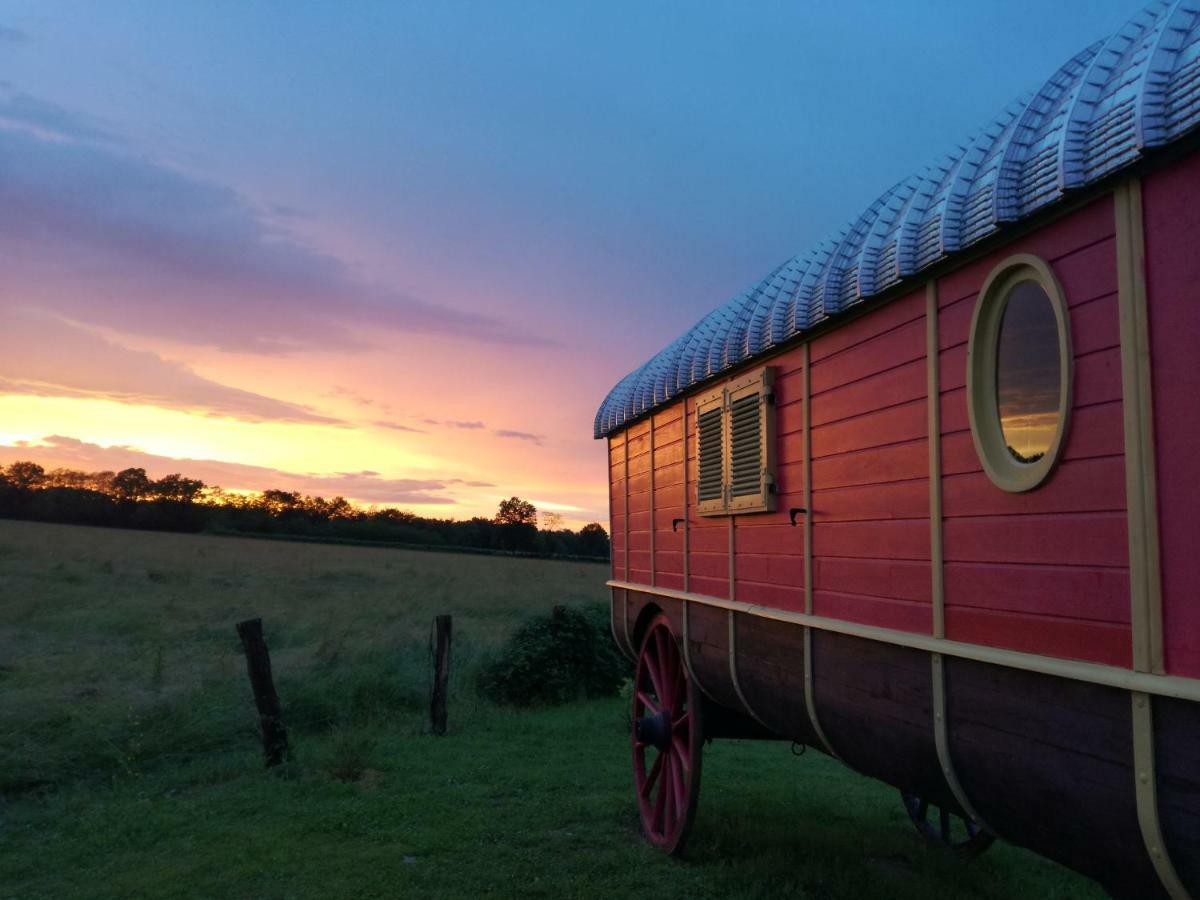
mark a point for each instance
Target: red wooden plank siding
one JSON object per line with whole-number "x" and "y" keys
{"x": 638, "y": 436}
{"x": 668, "y": 496}
{"x": 871, "y": 469}
{"x": 1171, "y": 200}
{"x": 708, "y": 536}
{"x": 769, "y": 554}
{"x": 1044, "y": 571}
{"x": 616, "y": 502}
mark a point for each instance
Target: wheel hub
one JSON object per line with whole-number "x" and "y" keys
{"x": 655, "y": 730}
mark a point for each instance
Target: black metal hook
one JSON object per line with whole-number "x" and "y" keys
{"x": 795, "y": 511}
{"x": 675, "y": 524}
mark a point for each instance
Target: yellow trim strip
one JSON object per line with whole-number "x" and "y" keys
{"x": 625, "y": 480}
{"x": 806, "y": 450}
{"x": 612, "y": 620}
{"x": 941, "y": 723}
{"x": 1140, "y": 500}
{"x": 733, "y": 672}
{"x": 941, "y": 737}
{"x": 1140, "y": 494}
{"x": 1147, "y": 796}
{"x": 687, "y": 576}
{"x": 934, "y": 396}
{"x": 687, "y": 649}
{"x": 810, "y": 700}
{"x": 653, "y": 525}
{"x": 1093, "y": 673}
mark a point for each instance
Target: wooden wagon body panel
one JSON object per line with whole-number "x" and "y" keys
{"x": 1043, "y": 572}
{"x": 1027, "y": 655}
{"x": 1172, "y": 212}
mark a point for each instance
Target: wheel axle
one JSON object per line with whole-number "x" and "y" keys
{"x": 654, "y": 730}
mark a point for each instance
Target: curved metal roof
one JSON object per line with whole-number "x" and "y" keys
{"x": 1103, "y": 109}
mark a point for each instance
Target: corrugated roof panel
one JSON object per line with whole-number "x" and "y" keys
{"x": 1100, "y": 111}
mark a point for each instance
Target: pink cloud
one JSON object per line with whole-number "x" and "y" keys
{"x": 43, "y": 355}
{"x": 364, "y": 486}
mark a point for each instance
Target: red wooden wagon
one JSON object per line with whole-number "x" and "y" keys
{"x": 926, "y": 498}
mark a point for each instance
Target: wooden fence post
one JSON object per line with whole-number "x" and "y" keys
{"x": 258, "y": 667}
{"x": 441, "y": 675}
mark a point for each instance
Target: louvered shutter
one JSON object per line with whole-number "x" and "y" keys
{"x": 751, "y": 466}
{"x": 710, "y": 447}
{"x": 735, "y": 444}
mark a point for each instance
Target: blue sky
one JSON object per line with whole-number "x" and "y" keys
{"x": 533, "y": 189}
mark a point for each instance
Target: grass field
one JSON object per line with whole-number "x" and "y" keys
{"x": 129, "y": 765}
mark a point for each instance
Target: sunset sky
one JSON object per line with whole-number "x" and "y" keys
{"x": 401, "y": 251}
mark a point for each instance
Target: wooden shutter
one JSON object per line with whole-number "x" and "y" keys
{"x": 710, "y": 453}
{"x": 735, "y": 447}
{"x": 751, "y": 464}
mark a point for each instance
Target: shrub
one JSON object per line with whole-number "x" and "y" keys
{"x": 555, "y": 658}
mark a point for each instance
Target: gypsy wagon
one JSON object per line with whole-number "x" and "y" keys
{"x": 925, "y": 498}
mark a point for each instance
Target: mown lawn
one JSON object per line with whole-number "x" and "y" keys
{"x": 129, "y": 766}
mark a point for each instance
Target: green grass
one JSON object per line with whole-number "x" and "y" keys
{"x": 129, "y": 763}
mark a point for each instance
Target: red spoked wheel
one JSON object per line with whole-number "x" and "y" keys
{"x": 667, "y": 739}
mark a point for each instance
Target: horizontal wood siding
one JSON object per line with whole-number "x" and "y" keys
{"x": 1177, "y": 767}
{"x": 870, "y": 466}
{"x": 616, "y": 502}
{"x": 1045, "y": 571}
{"x": 769, "y": 554}
{"x": 638, "y": 436}
{"x": 771, "y": 675}
{"x": 865, "y": 690}
{"x": 1171, "y": 204}
{"x": 1049, "y": 765}
{"x": 708, "y": 536}
{"x": 668, "y": 496}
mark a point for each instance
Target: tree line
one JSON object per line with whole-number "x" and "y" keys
{"x": 132, "y": 499}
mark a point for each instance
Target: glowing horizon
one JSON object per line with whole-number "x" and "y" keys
{"x": 347, "y": 259}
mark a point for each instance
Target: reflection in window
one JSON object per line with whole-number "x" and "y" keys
{"x": 1028, "y": 373}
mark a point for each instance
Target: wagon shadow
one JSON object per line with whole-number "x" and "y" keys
{"x": 830, "y": 833}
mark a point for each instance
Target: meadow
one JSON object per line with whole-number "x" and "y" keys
{"x": 129, "y": 761}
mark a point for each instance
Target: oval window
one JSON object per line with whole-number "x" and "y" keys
{"x": 1018, "y": 373}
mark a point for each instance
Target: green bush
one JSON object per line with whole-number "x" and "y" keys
{"x": 554, "y": 658}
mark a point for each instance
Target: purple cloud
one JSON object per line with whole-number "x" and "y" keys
{"x": 396, "y": 426}
{"x": 110, "y": 238}
{"x": 520, "y": 436}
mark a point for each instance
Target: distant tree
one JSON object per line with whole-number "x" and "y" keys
{"x": 517, "y": 519}
{"x": 552, "y": 521}
{"x": 101, "y": 481}
{"x": 131, "y": 485}
{"x": 280, "y": 503}
{"x": 26, "y": 476}
{"x": 515, "y": 511}
{"x": 176, "y": 487}
{"x": 68, "y": 478}
{"x": 593, "y": 540}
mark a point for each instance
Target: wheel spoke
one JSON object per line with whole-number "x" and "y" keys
{"x": 649, "y": 703}
{"x": 652, "y": 776}
{"x": 666, "y": 687}
{"x": 945, "y": 823}
{"x": 660, "y": 807}
{"x": 681, "y": 721}
{"x": 676, "y": 773}
{"x": 681, "y": 752}
{"x": 655, "y": 678}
